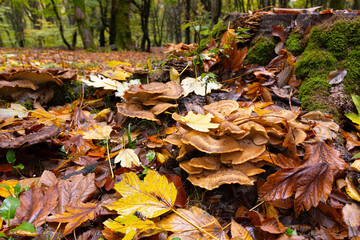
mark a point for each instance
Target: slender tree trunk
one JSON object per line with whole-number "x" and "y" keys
{"x": 215, "y": 11}
{"x": 187, "y": 19}
{"x": 356, "y": 4}
{"x": 104, "y": 25}
{"x": 60, "y": 24}
{"x": 122, "y": 26}
{"x": 112, "y": 31}
{"x": 84, "y": 30}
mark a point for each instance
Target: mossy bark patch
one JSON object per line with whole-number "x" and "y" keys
{"x": 262, "y": 51}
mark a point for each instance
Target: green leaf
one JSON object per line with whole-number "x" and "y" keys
{"x": 20, "y": 166}
{"x": 353, "y": 117}
{"x": 290, "y": 232}
{"x": 354, "y": 157}
{"x": 356, "y": 100}
{"x": 17, "y": 189}
{"x": 2, "y": 235}
{"x": 8, "y": 207}
{"x": 243, "y": 29}
{"x": 10, "y": 156}
{"x": 25, "y": 226}
{"x": 150, "y": 155}
{"x": 176, "y": 238}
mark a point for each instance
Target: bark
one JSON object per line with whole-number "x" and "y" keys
{"x": 122, "y": 26}
{"x": 60, "y": 25}
{"x": 84, "y": 30}
{"x": 215, "y": 11}
{"x": 356, "y": 4}
{"x": 17, "y": 20}
{"x": 144, "y": 10}
{"x": 104, "y": 25}
{"x": 187, "y": 19}
{"x": 112, "y": 30}
{"x": 336, "y": 4}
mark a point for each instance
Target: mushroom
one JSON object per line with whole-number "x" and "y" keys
{"x": 222, "y": 109}
{"x": 250, "y": 151}
{"x": 161, "y": 107}
{"x": 214, "y": 179}
{"x": 206, "y": 143}
{"x": 136, "y": 111}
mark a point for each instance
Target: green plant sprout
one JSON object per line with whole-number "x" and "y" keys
{"x": 11, "y": 158}
{"x": 355, "y": 118}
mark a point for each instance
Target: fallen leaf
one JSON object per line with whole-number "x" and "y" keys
{"x": 174, "y": 75}
{"x": 311, "y": 184}
{"x": 198, "y": 224}
{"x": 351, "y": 190}
{"x": 197, "y": 122}
{"x": 272, "y": 225}
{"x": 127, "y": 157}
{"x": 336, "y": 77}
{"x": 198, "y": 86}
{"x": 152, "y": 198}
{"x": 100, "y": 132}
{"x": 5, "y": 192}
{"x": 75, "y": 214}
{"x": 239, "y": 231}
{"x": 132, "y": 226}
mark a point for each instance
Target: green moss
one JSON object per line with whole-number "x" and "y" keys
{"x": 262, "y": 52}
{"x": 352, "y": 65}
{"x": 28, "y": 104}
{"x": 314, "y": 62}
{"x": 293, "y": 43}
{"x": 218, "y": 29}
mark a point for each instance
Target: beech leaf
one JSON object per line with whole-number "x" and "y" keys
{"x": 127, "y": 157}
{"x": 75, "y": 214}
{"x": 152, "y": 198}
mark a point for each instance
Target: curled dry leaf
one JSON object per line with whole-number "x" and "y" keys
{"x": 197, "y": 122}
{"x": 127, "y": 157}
{"x": 197, "y": 225}
{"x": 272, "y": 225}
{"x": 239, "y": 232}
{"x": 351, "y": 190}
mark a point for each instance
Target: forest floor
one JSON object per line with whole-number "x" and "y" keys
{"x": 225, "y": 156}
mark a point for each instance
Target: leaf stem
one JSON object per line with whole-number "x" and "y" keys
{"x": 197, "y": 227}
{"x": 108, "y": 157}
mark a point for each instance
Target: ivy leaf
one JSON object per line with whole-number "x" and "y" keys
{"x": 75, "y": 214}
{"x": 152, "y": 198}
{"x": 8, "y": 208}
{"x": 133, "y": 227}
{"x": 127, "y": 157}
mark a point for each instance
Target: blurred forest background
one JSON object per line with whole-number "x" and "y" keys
{"x": 126, "y": 24}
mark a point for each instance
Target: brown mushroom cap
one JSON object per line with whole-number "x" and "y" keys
{"x": 256, "y": 132}
{"x": 229, "y": 128}
{"x": 144, "y": 91}
{"x": 206, "y": 162}
{"x": 161, "y": 107}
{"x": 214, "y": 179}
{"x": 249, "y": 168}
{"x": 250, "y": 151}
{"x": 136, "y": 111}
{"x": 36, "y": 76}
{"x": 190, "y": 169}
{"x": 222, "y": 109}
{"x": 206, "y": 143}
{"x": 172, "y": 90}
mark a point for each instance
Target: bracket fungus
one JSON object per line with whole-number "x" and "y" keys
{"x": 146, "y": 101}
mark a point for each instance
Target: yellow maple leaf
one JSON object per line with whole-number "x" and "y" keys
{"x": 115, "y": 63}
{"x": 199, "y": 122}
{"x": 117, "y": 74}
{"x": 127, "y": 157}
{"x": 132, "y": 227}
{"x": 153, "y": 197}
{"x": 5, "y": 192}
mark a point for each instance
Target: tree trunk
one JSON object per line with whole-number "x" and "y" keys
{"x": 215, "y": 11}
{"x": 356, "y": 4}
{"x": 61, "y": 28}
{"x": 187, "y": 19}
{"x": 84, "y": 30}
{"x": 122, "y": 26}
{"x": 104, "y": 25}
{"x": 336, "y": 4}
{"x": 145, "y": 13}
{"x": 112, "y": 30}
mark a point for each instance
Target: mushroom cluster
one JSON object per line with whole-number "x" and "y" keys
{"x": 235, "y": 151}
{"x": 146, "y": 101}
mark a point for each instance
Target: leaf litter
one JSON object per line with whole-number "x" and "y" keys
{"x": 106, "y": 161}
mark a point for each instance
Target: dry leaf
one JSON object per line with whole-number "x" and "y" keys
{"x": 127, "y": 157}
{"x": 239, "y": 231}
{"x": 200, "y": 225}
{"x": 198, "y": 85}
{"x": 99, "y": 133}
{"x": 6, "y": 193}
{"x": 198, "y": 122}
{"x": 75, "y": 214}
{"x": 153, "y": 197}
